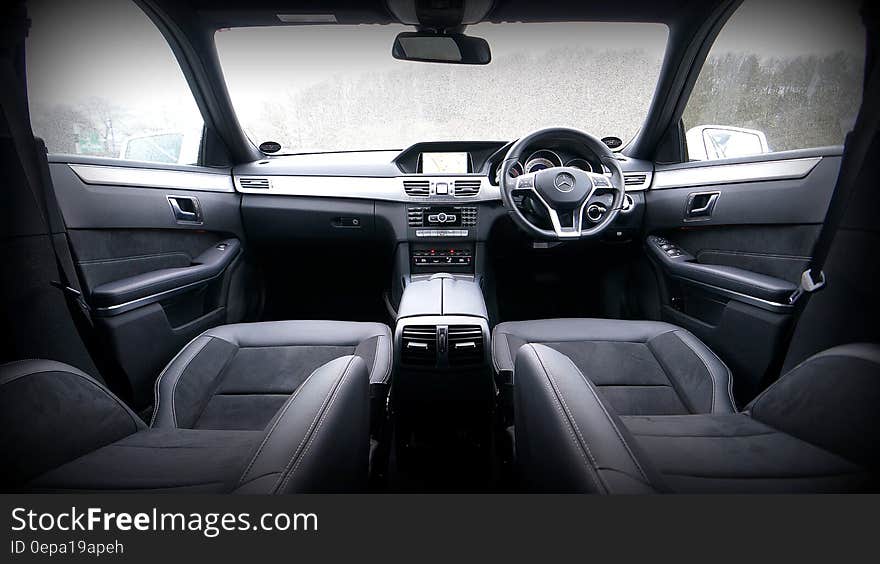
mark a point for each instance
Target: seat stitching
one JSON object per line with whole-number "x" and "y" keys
{"x": 673, "y": 382}
{"x": 158, "y": 382}
{"x": 278, "y": 418}
{"x": 180, "y": 375}
{"x": 611, "y": 421}
{"x": 313, "y": 431}
{"x": 583, "y": 447}
{"x": 705, "y": 363}
{"x": 221, "y": 377}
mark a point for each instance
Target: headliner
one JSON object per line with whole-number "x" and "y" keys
{"x": 239, "y": 13}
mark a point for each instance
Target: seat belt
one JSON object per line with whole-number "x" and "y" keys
{"x": 34, "y": 163}
{"x": 856, "y": 149}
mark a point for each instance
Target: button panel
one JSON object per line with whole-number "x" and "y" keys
{"x": 442, "y": 257}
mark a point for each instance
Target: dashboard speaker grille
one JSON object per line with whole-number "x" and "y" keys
{"x": 419, "y": 345}
{"x": 467, "y": 187}
{"x": 465, "y": 345}
{"x": 420, "y": 188}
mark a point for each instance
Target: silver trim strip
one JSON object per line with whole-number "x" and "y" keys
{"x": 366, "y": 187}
{"x": 153, "y": 178}
{"x": 751, "y": 300}
{"x": 108, "y": 311}
{"x": 733, "y": 173}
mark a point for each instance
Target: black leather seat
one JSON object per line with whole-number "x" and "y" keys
{"x": 253, "y": 408}
{"x": 817, "y": 429}
{"x": 639, "y": 367}
{"x": 239, "y": 376}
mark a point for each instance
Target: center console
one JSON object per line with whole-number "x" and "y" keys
{"x": 443, "y": 390}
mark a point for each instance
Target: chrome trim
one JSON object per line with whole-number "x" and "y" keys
{"x": 153, "y": 178}
{"x": 751, "y": 300}
{"x": 585, "y": 161}
{"x": 117, "y": 309}
{"x": 367, "y": 187}
{"x": 733, "y": 173}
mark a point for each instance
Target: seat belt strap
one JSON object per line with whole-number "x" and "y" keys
{"x": 32, "y": 157}
{"x": 857, "y": 145}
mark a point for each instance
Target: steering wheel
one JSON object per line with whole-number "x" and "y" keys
{"x": 563, "y": 190}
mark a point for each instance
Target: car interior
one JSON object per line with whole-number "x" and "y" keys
{"x": 430, "y": 246}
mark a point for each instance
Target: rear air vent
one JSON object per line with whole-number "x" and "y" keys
{"x": 635, "y": 179}
{"x": 419, "y": 345}
{"x": 467, "y": 187}
{"x": 415, "y": 217}
{"x": 254, "y": 183}
{"x": 419, "y": 188}
{"x": 465, "y": 345}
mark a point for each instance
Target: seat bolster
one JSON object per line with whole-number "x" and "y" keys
{"x": 319, "y": 441}
{"x": 721, "y": 381}
{"x": 165, "y": 412}
{"x": 830, "y": 400}
{"x": 567, "y": 440}
{"x": 52, "y": 413}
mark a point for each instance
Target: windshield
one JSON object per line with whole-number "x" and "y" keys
{"x": 337, "y": 88}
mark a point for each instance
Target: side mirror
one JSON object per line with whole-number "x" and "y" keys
{"x": 710, "y": 142}
{"x": 429, "y": 47}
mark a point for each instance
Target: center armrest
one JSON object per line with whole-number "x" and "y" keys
{"x": 442, "y": 294}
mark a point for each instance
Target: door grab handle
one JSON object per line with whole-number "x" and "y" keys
{"x": 707, "y": 207}
{"x": 182, "y": 215}
{"x": 694, "y": 211}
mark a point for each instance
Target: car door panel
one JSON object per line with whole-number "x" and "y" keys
{"x": 154, "y": 278}
{"x": 728, "y": 277}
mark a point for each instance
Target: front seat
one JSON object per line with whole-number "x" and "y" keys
{"x": 816, "y": 429}
{"x": 252, "y": 408}
{"x": 638, "y": 367}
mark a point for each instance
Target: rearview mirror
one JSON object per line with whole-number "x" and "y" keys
{"x": 441, "y": 48}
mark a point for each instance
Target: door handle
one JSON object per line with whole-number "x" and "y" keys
{"x": 700, "y": 205}
{"x": 186, "y": 209}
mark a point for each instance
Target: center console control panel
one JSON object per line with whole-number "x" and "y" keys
{"x": 428, "y": 258}
{"x": 441, "y": 221}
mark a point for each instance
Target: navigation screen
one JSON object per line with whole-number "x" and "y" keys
{"x": 444, "y": 163}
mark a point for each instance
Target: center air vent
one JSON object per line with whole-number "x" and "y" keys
{"x": 421, "y": 188}
{"x": 254, "y": 183}
{"x": 419, "y": 345}
{"x": 635, "y": 179}
{"x": 465, "y": 345}
{"x": 467, "y": 187}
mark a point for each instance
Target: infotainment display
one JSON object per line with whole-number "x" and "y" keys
{"x": 444, "y": 163}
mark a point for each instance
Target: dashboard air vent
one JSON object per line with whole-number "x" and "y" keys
{"x": 415, "y": 217}
{"x": 421, "y": 188}
{"x": 635, "y": 179}
{"x": 467, "y": 187}
{"x": 419, "y": 345}
{"x": 465, "y": 345}
{"x": 254, "y": 183}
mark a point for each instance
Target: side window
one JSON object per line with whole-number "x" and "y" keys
{"x": 102, "y": 81}
{"x": 781, "y": 75}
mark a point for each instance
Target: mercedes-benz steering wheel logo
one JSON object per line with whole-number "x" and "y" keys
{"x": 564, "y": 182}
